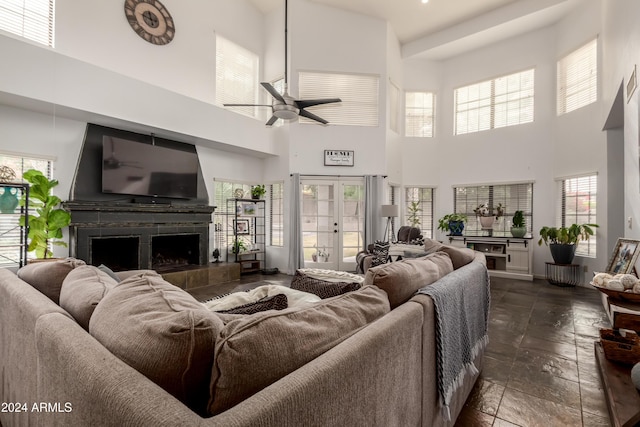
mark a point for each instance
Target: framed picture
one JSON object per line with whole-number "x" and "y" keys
{"x": 248, "y": 209}
{"x": 471, "y": 245}
{"x": 496, "y": 249}
{"x": 624, "y": 257}
{"x": 241, "y": 226}
{"x": 338, "y": 157}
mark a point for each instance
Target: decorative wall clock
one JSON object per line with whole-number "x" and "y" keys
{"x": 151, "y": 20}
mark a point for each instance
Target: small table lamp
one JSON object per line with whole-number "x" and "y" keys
{"x": 389, "y": 211}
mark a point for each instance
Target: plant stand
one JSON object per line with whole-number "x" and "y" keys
{"x": 564, "y": 275}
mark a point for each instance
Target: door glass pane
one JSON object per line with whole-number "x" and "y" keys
{"x": 352, "y": 222}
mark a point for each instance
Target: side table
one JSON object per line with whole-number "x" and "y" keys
{"x": 562, "y": 274}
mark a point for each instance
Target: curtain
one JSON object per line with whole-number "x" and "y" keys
{"x": 296, "y": 254}
{"x": 373, "y": 198}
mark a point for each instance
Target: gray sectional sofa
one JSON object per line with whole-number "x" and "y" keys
{"x": 381, "y": 373}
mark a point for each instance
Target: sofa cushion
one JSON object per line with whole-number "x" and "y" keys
{"x": 273, "y": 302}
{"x": 255, "y": 351}
{"x": 324, "y": 289}
{"x": 401, "y": 279}
{"x": 237, "y": 299}
{"x": 459, "y": 256}
{"x": 163, "y": 332}
{"x": 82, "y": 290}
{"x": 47, "y": 276}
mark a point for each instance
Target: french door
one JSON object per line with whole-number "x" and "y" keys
{"x": 332, "y": 217}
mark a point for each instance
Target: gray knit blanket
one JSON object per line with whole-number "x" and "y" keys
{"x": 461, "y": 301}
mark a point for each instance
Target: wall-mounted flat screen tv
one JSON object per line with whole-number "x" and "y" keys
{"x": 136, "y": 168}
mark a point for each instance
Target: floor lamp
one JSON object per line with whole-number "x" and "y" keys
{"x": 389, "y": 211}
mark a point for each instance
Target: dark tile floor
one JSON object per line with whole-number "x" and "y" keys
{"x": 539, "y": 367}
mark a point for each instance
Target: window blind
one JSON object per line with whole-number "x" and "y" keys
{"x": 358, "y": 92}
{"x": 419, "y": 114}
{"x": 236, "y": 76}
{"x": 503, "y": 101}
{"x": 512, "y": 197}
{"x": 31, "y": 19}
{"x": 577, "y": 78}
{"x": 578, "y": 205}
{"x": 276, "y": 214}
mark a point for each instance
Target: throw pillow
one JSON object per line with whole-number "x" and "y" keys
{"x": 82, "y": 290}
{"x": 163, "y": 332}
{"x": 322, "y": 288}
{"x": 274, "y": 302}
{"x": 459, "y": 256}
{"x": 400, "y": 280}
{"x": 380, "y": 253}
{"x": 332, "y": 275}
{"x": 253, "y": 352}
{"x": 47, "y": 276}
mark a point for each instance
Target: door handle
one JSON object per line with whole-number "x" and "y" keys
{"x": 335, "y": 231}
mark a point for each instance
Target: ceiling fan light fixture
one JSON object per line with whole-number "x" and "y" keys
{"x": 286, "y": 112}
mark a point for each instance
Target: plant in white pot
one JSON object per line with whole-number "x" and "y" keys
{"x": 485, "y": 215}
{"x": 562, "y": 241}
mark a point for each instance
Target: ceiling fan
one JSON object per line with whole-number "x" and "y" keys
{"x": 285, "y": 106}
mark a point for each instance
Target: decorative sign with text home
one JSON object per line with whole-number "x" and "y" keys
{"x": 338, "y": 158}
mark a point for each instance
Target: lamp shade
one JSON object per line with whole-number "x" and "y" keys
{"x": 389, "y": 211}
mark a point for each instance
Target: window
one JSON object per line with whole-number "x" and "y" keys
{"x": 394, "y": 198}
{"x": 358, "y": 92}
{"x": 419, "y": 114}
{"x": 577, "y": 75}
{"x": 31, "y": 19}
{"x": 9, "y": 230}
{"x": 578, "y": 201}
{"x": 394, "y": 107}
{"x": 512, "y": 197}
{"x": 236, "y": 76}
{"x": 418, "y": 209}
{"x": 276, "y": 214}
{"x": 504, "y": 101}
{"x": 223, "y": 223}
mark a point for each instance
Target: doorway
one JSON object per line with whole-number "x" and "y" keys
{"x": 332, "y": 219}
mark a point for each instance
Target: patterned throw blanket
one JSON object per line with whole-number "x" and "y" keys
{"x": 461, "y": 300}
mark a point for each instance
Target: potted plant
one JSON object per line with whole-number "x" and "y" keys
{"x": 257, "y": 191}
{"x": 45, "y": 227}
{"x": 518, "y": 227}
{"x": 238, "y": 247}
{"x": 453, "y": 223}
{"x": 413, "y": 217}
{"x": 485, "y": 214}
{"x": 562, "y": 241}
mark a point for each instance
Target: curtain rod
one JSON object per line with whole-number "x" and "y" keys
{"x": 339, "y": 176}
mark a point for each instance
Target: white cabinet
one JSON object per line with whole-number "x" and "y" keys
{"x": 509, "y": 257}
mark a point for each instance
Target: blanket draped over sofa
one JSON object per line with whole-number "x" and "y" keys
{"x": 462, "y": 312}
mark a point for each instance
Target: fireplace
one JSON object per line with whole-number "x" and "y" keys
{"x": 129, "y": 236}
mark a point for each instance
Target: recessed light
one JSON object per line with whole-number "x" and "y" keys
{"x": 425, "y": 1}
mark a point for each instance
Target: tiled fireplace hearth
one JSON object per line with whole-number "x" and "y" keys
{"x": 128, "y": 236}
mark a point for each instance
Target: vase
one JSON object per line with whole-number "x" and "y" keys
{"x": 8, "y": 201}
{"x": 561, "y": 253}
{"x": 456, "y": 227}
{"x": 518, "y": 231}
{"x": 486, "y": 222}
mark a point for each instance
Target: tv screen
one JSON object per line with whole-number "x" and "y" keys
{"x": 136, "y": 168}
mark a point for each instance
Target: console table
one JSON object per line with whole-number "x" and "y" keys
{"x": 562, "y": 274}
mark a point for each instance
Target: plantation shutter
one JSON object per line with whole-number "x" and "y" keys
{"x": 31, "y": 19}
{"x": 236, "y": 76}
{"x": 577, "y": 78}
{"x": 358, "y": 92}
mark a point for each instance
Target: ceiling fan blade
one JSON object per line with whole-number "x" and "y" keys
{"x": 304, "y": 103}
{"x": 308, "y": 115}
{"x": 247, "y": 105}
{"x": 271, "y": 121}
{"x": 272, "y": 90}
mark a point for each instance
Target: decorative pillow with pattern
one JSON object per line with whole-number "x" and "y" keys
{"x": 274, "y": 302}
{"x": 322, "y": 288}
{"x": 380, "y": 253}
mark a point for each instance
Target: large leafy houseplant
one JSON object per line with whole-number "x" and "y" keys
{"x": 562, "y": 241}
{"x": 45, "y": 227}
{"x": 453, "y": 223}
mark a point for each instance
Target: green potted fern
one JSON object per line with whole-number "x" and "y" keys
{"x": 45, "y": 227}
